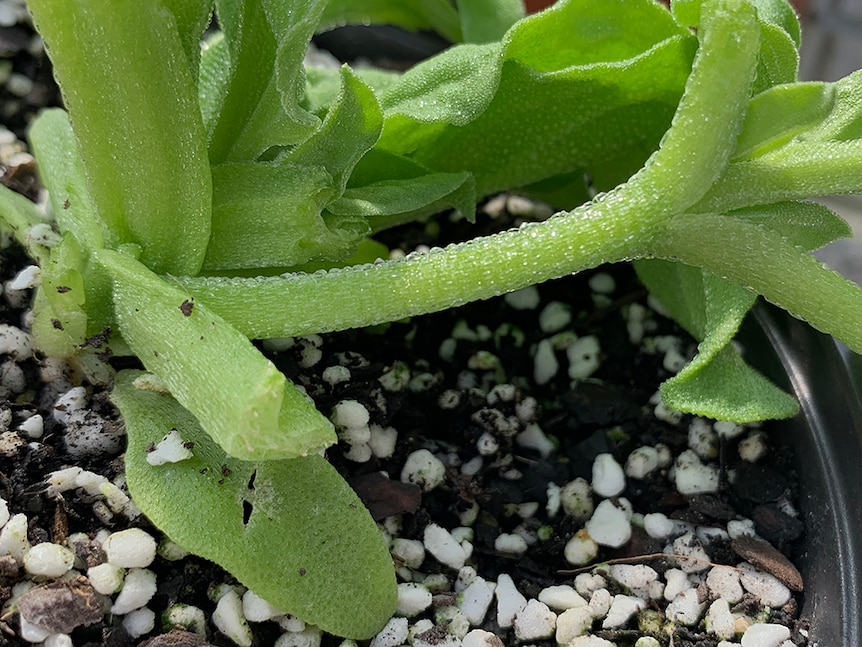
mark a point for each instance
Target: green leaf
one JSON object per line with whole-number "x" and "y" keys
{"x": 280, "y": 203}
{"x": 807, "y": 225}
{"x": 486, "y": 21}
{"x": 290, "y": 530}
{"x": 123, "y": 68}
{"x": 243, "y": 402}
{"x": 573, "y": 87}
{"x": 192, "y": 17}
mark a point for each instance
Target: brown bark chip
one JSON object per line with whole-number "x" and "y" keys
{"x": 176, "y": 638}
{"x": 769, "y": 559}
{"x": 59, "y": 607}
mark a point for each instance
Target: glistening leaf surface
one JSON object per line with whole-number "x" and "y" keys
{"x": 291, "y": 530}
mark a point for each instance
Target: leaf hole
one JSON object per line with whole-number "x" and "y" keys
{"x": 247, "y": 509}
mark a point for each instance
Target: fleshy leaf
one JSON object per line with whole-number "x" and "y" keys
{"x": 291, "y": 530}
{"x": 123, "y": 69}
{"x": 243, "y": 402}
{"x": 438, "y": 15}
{"x": 486, "y": 21}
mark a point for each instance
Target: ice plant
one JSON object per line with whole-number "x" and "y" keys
{"x": 203, "y": 196}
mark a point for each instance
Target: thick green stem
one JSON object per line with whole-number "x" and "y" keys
{"x": 613, "y": 227}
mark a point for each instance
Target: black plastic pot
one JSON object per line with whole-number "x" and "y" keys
{"x": 827, "y": 439}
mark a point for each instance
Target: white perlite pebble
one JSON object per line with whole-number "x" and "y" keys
{"x": 765, "y": 635}
{"x": 600, "y": 602}
{"x": 409, "y": 552}
{"x": 609, "y": 525}
{"x": 383, "y": 441}
{"x": 130, "y": 548}
{"x": 635, "y": 577}
{"x": 576, "y": 499}
{"x": 392, "y": 635}
{"x": 443, "y": 546}
{"x": 554, "y": 317}
{"x": 657, "y": 525}
{"x": 545, "y": 364}
{"x": 693, "y": 477}
{"x": 525, "y": 299}
{"x": 534, "y": 438}
{"x": 572, "y": 623}
{"x": 583, "y": 355}
{"x": 48, "y": 560}
{"x": 4, "y": 512}
{"x": 753, "y": 448}
{"x": 481, "y": 638}
{"x": 690, "y": 554}
{"x": 676, "y": 582}
{"x": 58, "y": 640}
{"x": 720, "y": 620}
{"x": 580, "y": 549}
{"x": 106, "y": 578}
{"x": 509, "y": 601}
{"x": 723, "y": 582}
{"x": 413, "y": 599}
{"x": 561, "y": 597}
{"x": 256, "y": 609}
{"x": 138, "y": 588}
{"x": 170, "y": 449}
{"x": 588, "y": 583}
{"x": 641, "y": 462}
{"x": 311, "y": 636}
{"x": 765, "y": 587}
{"x": 13, "y": 538}
{"x": 229, "y": 620}
{"x": 685, "y": 608}
{"x": 702, "y": 439}
{"x": 590, "y": 641}
{"x": 534, "y": 622}
{"x": 15, "y": 342}
{"x": 139, "y": 622}
{"x": 475, "y": 600}
{"x": 424, "y": 469}
{"x": 622, "y": 609}
{"x": 32, "y": 633}
{"x": 609, "y": 480}
{"x": 510, "y": 544}
{"x": 350, "y": 414}
{"x": 33, "y": 427}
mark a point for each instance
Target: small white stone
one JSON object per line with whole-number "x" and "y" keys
{"x": 723, "y": 582}
{"x": 310, "y": 636}
{"x": 623, "y": 608}
{"x": 635, "y": 577}
{"x": 609, "y": 480}
{"x": 534, "y": 438}
{"x": 685, "y": 608}
{"x": 481, "y": 638}
{"x": 534, "y": 622}
{"x": 545, "y": 364}
{"x": 580, "y": 549}
{"x": 572, "y": 623}
{"x": 106, "y": 578}
{"x": 392, "y": 635}
{"x": 720, "y": 620}
{"x": 702, "y": 439}
{"x": 409, "y": 552}
{"x": 424, "y": 469}
{"x": 677, "y": 582}
{"x": 727, "y": 429}
{"x": 693, "y": 477}
{"x": 443, "y": 546}
{"x": 657, "y": 525}
{"x": 609, "y": 525}
{"x": 139, "y": 622}
{"x": 737, "y": 528}
{"x": 359, "y": 453}
{"x": 58, "y": 640}
{"x": 576, "y": 499}
{"x": 15, "y": 342}
{"x": 229, "y": 620}
{"x": 4, "y": 512}
{"x": 48, "y": 560}
{"x": 350, "y": 413}
{"x": 70, "y": 403}
{"x": 524, "y": 299}
{"x": 256, "y": 609}
{"x": 509, "y": 601}
{"x": 584, "y": 357}
{"x": 188, "y": 617}
{"x": 33, "y": 427}
{"x": 130, "y": 548}
{"x": 600, "y": 603}
{"x": 753, "y": 447}
{"x": 588, "y": 583}
{"x": 510, "y": 544}
{"x": 337, "y": 374}
{"x": 590, "y": 641}
{"x": 29, "y": 277}
{"x": 603, "y": 283}
{"x": 475, "y": 600}
{"x": 690, "y": 554}
{"x": 487, "y": 445}
{"x": 32, "y": 633}
{"x": 641, "y": 462}
{"x": 765, "y": 635}
{"x": 561, "y": 597}
{"x": 554, "y": 317}
{"x": 413, "y": 599}
{"x": 765, "y": 587}
{"x": 170, "y": 449}
{"x": 453, "y": 619}
{"x": 383, "y": 441}
{"x": 13, "y": 538}
{"x": 138, "y": 589}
